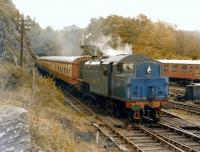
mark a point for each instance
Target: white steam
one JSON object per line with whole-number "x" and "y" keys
{"x": 104, "y": 44}
{"x": 69, "y": 40}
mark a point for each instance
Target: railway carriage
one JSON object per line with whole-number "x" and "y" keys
{"x": 62, "y": 67}
{"x": 181, "y": 71}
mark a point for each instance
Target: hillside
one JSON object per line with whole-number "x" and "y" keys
{"x": 10, "y": 35}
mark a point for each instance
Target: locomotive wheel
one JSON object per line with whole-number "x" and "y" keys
{"x": 118, "y": 113}
{"x": 154, "y": 115}
{"x": 118, "y": 110}
{"x": 130, "y": 115}
{"x": 156, "y": 120}
{"x": 90, "y": 101}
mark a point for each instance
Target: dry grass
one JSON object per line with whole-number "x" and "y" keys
{"x": 52, "y": 123}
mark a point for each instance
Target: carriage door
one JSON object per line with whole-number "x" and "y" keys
{"x": 110, "y": 69}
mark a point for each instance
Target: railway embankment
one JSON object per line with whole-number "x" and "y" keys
{"x": 52, "y": 124}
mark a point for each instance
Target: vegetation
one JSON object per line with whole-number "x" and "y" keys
{"x": 154, "y": 39}
{"x": 157, "y": 40}
{"x": 54, "y": 126}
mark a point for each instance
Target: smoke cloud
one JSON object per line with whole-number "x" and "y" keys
{"x": 105, "y": 43}
{"x": 69, "y": 41}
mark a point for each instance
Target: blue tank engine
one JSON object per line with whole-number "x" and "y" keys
{"x": 129, "y": 85}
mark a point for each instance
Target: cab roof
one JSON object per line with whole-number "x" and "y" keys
{"x": 133, "y": 58}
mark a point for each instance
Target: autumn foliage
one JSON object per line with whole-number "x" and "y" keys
{"x": 154, "y": 39}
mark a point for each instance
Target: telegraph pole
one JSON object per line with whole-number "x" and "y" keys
{"x": 22, "y": 26}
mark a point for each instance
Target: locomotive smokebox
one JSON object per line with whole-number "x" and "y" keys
{"x": 193, "y": 91}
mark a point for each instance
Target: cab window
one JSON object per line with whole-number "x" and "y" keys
{"x": 128, "y": 67}
{"x": 125, "y": 67}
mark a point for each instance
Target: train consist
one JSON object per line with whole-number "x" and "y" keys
{"x": 127, "y": 85}
{"x": 181, "y": 71}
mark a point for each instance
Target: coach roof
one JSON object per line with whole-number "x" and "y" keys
{"x": 180, "y": 61}
{"x": 67, "y": 59}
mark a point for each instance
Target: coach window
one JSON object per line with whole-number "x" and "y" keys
{"x": 165, "y": 68}
{"x": 191, "y": 68}
{"x": 174, "y": 68}
{"x": 197, "y": 69}
{"x": 184, "y": 68}
{"x": 69, "y": 71}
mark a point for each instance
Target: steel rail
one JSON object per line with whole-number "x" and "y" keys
{"x": 157, "y": 137}
{"x": 174, "y": 142}
{"x": 117, "y": 134}
{"x": 194, "y": 109}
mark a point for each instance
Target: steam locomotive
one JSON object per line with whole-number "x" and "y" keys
{"x": 126, "y": 85}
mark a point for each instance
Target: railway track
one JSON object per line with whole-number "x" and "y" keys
{"x": 178, "y": 137}
{"x": 191, "y": 108}
{"x": 134, "y": 138}
{"x": 143, "y": 138}
{"x": 78, "y": 105}
{"x": 188, "y": 106}
{"x": 173, "y": 120}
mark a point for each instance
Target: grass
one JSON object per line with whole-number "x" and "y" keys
{"x": 52, "y": 123}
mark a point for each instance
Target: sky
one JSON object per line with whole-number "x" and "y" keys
{"x": 60, "y": 13}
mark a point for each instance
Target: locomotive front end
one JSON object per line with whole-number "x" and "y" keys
{"x": 148, "y": 89}
{"x": 138, "y": 81}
